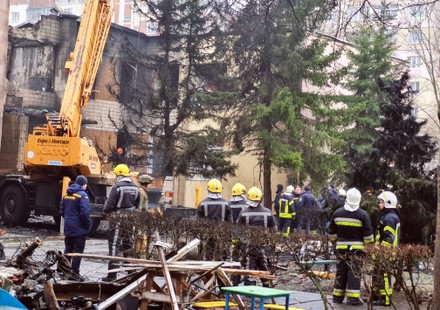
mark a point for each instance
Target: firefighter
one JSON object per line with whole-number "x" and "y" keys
{"x": 238, "y": 200}
{"x": 145, "y": 180}
{"x": 256, "y": 215}
{"x": 124, "y": 197}
{"x": 237, "y": 203}
{"x": 388, "y": 234}
{"x": 286, "y": 211}
{"x": 350, "y": 228}
{"x": 141, "y": 243}
{"x": 214, "y": 208}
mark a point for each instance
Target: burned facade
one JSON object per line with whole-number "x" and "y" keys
{"x": 35, "y": 71}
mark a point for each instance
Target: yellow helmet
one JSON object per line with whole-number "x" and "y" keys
{"x": 122, "y": 169}
{"x": 238, "y": 189}
{"x": 215, "y": 186}
{"x": 255, "y": 194}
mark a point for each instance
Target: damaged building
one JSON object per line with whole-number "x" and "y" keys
{"x": 37, "y": 81}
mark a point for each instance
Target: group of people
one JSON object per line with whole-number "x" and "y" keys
{"x": 295, "y": 209}
{"x": 244, "y": 208}
{"x": 349, "y": 226}
{"x": 298, "y": 210}
{"x": 125, "y": 196}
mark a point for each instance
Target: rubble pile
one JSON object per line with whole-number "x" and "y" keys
{"x": 50, "y": 283}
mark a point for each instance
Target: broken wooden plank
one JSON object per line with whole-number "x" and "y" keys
{"x": 206, "y": 264}
{"x": 160, "y": 297}
{"x": 185, "y": 250}
{"x": 225, "y": 279}
{"x": 166, "y": 273}
{"x": 206, "y": 289}
{"x": 122, "y": 269}
{"x": 50, "y": 297}
{"x": 180, "y": 266}
{"x": 121, "y": 294}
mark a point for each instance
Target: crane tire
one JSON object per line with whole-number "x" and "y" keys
{"x": 13, "y": 208}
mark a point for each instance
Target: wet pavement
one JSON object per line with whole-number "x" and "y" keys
{"x": 91, "y": 269}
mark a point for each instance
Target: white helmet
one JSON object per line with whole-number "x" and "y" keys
{"x": 389, "y": 198}
{"x": 342, "y": 192}
{"x": 353, "y": 197}
{"x": 290, "y": 189}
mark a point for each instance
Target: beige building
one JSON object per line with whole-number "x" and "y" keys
{"x": 415, "y": 26}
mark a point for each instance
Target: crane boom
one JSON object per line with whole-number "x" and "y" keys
{"x": 57, "y": 144}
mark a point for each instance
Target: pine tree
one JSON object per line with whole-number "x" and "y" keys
{"x": 183, "y": 85}
{"x": 370, "y": 61}
{"x": 274, "y": 119}
{"x": 398, "y": 159}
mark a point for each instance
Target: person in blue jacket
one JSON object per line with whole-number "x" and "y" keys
{"x": 75, "y": 209}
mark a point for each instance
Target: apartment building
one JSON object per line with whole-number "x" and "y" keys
{"x": 126, "y": 13}
{"x": 414, "y": 25}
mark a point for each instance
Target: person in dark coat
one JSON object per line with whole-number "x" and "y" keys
{"x": 214, "y": 208}
{"x": 332, "y": 197}
{"x": 286, "y": 211}
{"x": 124, "y": 197}
{"x": 257, "y": 215}
{"x": 278, "y": 194}
{"x": 388, "y": 234}
{"x": 238, "y": 200}
{"x": 306, "y": 210}
{"x": 75, "y": 210}
{"x": 350, "y": 229}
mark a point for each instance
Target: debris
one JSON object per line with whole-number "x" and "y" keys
{"x": 21, "y": 258}
{"x": 166, "y": 272}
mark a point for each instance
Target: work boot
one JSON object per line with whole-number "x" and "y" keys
{"x": 381, "y": 303}
{"x": 354, "y": 302}
{"x": 338, "y": 300}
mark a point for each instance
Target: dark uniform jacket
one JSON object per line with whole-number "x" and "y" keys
{"x": 286, "y": 207}
{"x": 215, "y": 209}
{"x": 306, "y": 202}
{"x": 124, "y": 196}
{"x": 259, "y": 216}
{"x": 388, "y": 232}
{"x": 236, "y": 207}
{"x": 350, "y": 230}
{"x": 75, "y": 209}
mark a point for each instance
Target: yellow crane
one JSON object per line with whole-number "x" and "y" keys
{"x": 57, "y": 146}
{"x": 55, "y": 151}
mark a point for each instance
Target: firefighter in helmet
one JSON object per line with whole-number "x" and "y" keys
{"x": 257, "y": 215}
{"x": 238, "y": 200}
{"x": 388, "y": 234}
{"x": 350, "y": 229}
{"x": 214, "y": 208}
{"x": 124, "y": 197}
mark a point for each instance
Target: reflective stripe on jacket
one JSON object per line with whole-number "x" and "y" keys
{"x": 237, "y": 207}
{"x": 215, "y": 209}
{"x": 388, "y": 232}
{"x": 286, "y": 208}
{"x": 350, "y": 230}
{"x": 124, "y": 195}
{"x": 258, "y": 216}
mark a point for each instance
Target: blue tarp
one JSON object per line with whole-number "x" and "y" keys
{"x": 7, "y": 301}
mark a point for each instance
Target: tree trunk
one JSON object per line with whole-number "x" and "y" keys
{"x": 267, "y": 174}
{"x": 436, "y": 295}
